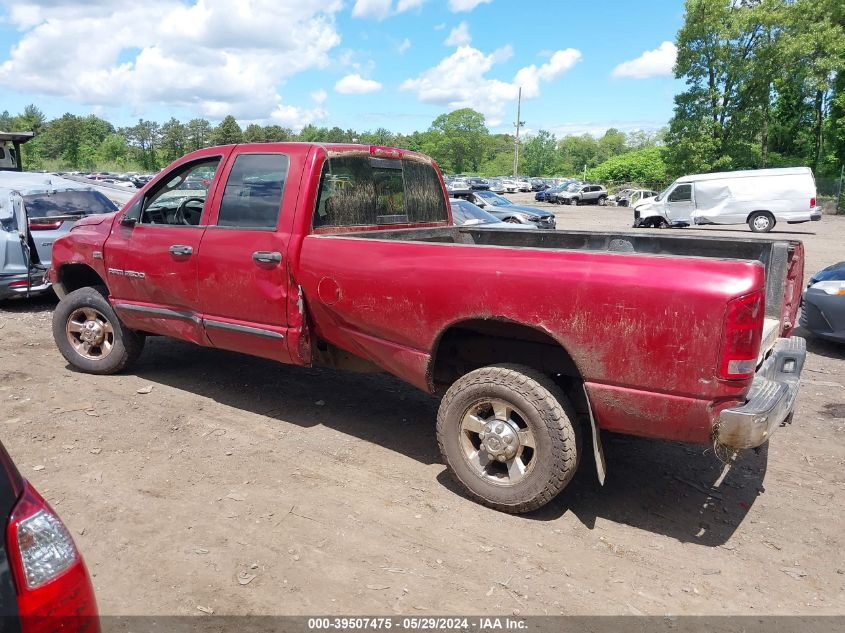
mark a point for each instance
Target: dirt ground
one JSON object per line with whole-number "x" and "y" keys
{"x": 249, "y": 487}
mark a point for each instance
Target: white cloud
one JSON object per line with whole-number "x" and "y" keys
{"x": 459, "y": 81}
{"x": 459, "y": 36}
{"x": 378, "y": 9}
{"x": 381, "y": 9}
{"x": 230, "y": 60}
{"x": 319, "y": 96}
{"x": 355, "y": 85}
{"x": 297, "y": 118}
{"x": 404, "y": 46}
{"x": 407, "y": 5}
{"x": 559, "y": 63}
{"x": 654, "y": 63}
{"x": 458, "y": 6}
{"x": 598, "y": 128}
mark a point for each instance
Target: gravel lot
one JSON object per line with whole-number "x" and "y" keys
{"x": 325, "y": 490}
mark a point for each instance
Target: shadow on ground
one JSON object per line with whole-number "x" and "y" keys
{"x": 660, "y": 487}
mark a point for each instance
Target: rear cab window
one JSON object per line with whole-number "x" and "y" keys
{"x": 64, "y": 203}
{"x": 357, "y": 189}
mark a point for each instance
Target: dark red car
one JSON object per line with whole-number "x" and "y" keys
{"x": 44, "y": 585}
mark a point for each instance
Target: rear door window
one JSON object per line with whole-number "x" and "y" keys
{"x": 359, "y": 190}
{"x": 253, "y": 195}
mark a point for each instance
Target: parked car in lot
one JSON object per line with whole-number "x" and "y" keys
{"x": 458, "y": 184}
{"x": 506, "y": 210}
{"x": 496, "y": 185}
{"x": 345, "y": 256}
{"x": 465, "y": 213}
{"x": 35, "y": 210}
{"x": 550, "y": 194}
{"x": 823, "y": 305}
{"x": 538, "y": 184}
{"x": 630, "y": 197}
{"x": 582, "y": 194}
{"x": 44, "y": 585}
{"x": 510, "y": 185}
{"x": 758, "y": 197}
{"x": 477, "y": 183}
{"x": 523, "y": 184}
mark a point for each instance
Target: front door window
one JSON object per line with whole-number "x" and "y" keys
{"x": 179, "y": 200}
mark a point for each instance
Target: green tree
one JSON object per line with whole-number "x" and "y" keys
{"x": 174, "y": 140}
{"x": 713, "y": 52}
{"x": 198, "y": 134}
{"x": 30, "y": 120}
{"x": 574, "y": 152}
{"x": 612, "y": 143}
{"x": 457, "y": 140}
{"x": 112, "y": 150}
{"x": 254, "y": 133}
{"x": 538, "y": 154}
{"x": 143, "y": 138}
{"x": 227, "y": 133}
{"x": 644, "y": 166}
{"x": 816, "y": 45}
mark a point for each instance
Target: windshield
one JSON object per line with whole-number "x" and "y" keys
{"x": 45, "y": 205}
{"x": 464, "y": 212}
{"x": 574, "y": 186}
{"x": 663, "y": 193}
{"x": 494, "y": 198}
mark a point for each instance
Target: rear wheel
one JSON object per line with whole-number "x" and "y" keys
{"x": 509, "y": 436}
{"x": 761, "y": 222}
{"x": 90, "y": 335}
{"x": 602, "y": 200}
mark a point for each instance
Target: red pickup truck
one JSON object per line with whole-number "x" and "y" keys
{"x": 345, "y": 256}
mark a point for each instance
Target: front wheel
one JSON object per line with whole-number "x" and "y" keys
{"x": 90, "y": 335}
{"x": 509, "y": 436}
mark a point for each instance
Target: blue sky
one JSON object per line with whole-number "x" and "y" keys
{"x": 362, "y": 64}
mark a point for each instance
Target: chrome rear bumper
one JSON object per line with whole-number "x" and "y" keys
{"x": 770, "y": 400}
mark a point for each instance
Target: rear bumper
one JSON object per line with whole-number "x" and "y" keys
{"x": 770, "y": 400}
{"x": 16, "y": 285}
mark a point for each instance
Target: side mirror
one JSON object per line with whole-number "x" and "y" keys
{"x": 128, "y": 221}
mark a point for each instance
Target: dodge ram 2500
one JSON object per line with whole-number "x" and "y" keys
{"x": 344, "y": 256}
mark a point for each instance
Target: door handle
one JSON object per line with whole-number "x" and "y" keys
{"x": 180, "y": 250}
{"x": 267, "y": 257}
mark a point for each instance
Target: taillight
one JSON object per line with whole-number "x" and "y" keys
{"x": 812, "y": 202}
{"x": 742, "y": 334}
{"x": 53, "y": 587}
{"x": 45, "y": 225}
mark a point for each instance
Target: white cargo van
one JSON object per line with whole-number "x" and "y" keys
{"x": 759, "y": 197}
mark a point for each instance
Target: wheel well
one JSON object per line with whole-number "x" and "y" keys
{"x": 769, "y": 213}
{"x": 476, "y": 343}
{"x": 75, "y": 276}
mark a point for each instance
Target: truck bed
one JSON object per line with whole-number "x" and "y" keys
{"x": 776, "y": 256}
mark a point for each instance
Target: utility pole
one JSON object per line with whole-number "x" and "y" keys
{"x": 518, "y": 124}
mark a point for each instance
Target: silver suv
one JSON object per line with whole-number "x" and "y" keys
{"x": 584, "y": 194}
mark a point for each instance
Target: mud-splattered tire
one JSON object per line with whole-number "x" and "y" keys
{"x": 90, "y": 335}
{"x": 538, "y": 408}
